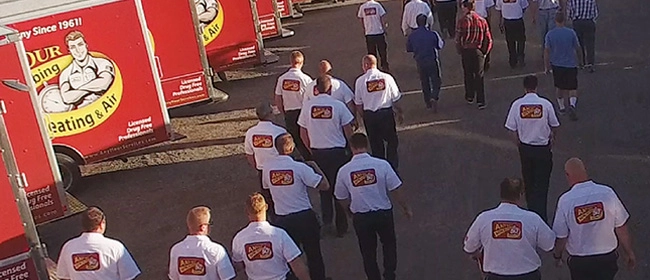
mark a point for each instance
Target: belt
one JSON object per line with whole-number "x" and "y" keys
{"x": 595, "y": 256}
{"x": 535, "y": 146}
{"x": 295, "y": 213}
{"x": 548, "y": 9}
{"x": 381, "y": 110}
{"x": 329, "y": 149}
{"x": 513, "y": 19}
{"x": 518, "y": 275}
{"x": 372, "y": 212}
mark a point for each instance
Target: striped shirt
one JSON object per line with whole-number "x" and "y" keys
{"x": 473, "y": 32}
{"x": 582, "y": 9}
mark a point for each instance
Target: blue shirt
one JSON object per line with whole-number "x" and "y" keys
{"x": 424, "y": 44}
{"x": 562, "y": 43}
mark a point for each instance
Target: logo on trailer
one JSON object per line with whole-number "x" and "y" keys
{"x": 86, "y": 262}
{"x": 363, "y": 177}
{"x": 534, "y": 111}
{"x": 262, "y": 141}
{"x": 588, "y": 213}
{"x": 281, "y": 177}
{"x": 376, "y": 85}
{"x": 321, "y": 112}
{"x": 88, "y": 91}
{"x": 259, "y": 251}
{"x": 506, "y": 230}
{"x": 210, "y": 14}
{"x": 191, "y": 266}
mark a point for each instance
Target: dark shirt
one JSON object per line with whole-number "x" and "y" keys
{"x": 473, "y": 32}
{"x": 424, "y": 44}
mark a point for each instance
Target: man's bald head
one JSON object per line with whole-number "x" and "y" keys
{"x": 324, "y": 67}
{"x": 369, "y": 61}
{"x": 575, "y": 171}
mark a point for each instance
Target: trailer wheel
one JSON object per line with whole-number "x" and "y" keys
{"x": 70, "y": 172}
{"x": 222, "y": 76}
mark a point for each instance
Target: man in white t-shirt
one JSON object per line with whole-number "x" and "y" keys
{"x": 591, "y": 223}
{"x": 92, "y": 256}
{"x": 339, "y": 90}
{"x": 372, "y": 16}
{"x": 197, "y": 257}
{"x": 265, "y": 251}
{"x": 512, "y": 22}
{"x": 411, "y": 10}
{"x": 504, "y": 240}
{"x": 532, "y": 124}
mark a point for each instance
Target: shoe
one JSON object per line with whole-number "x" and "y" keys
{"x": 434, "y": 106}
{"x": 562, "y": 111}
{"x": 590, "y": 68}
{"x": 469, "y": 101}
{"x": 572, "y": 113}
{"x": 482, "y": 106}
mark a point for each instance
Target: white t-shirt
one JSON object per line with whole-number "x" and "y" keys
{"x": 371, "y": 13}
{"x": 92, "y": 256}
{"x": 324, "y": 118}
{"x": 532, "y": 118}
{"x": 588, "y": 214}
{"x": 292, "y": 85}
{"x": 509, "y": 237}
{"x": 339, "y": 91}
{"x": 366, "y": 181}
{"x": 265, "y": 250}
{"x": 199, "y": 258}
{"x": 260, "y": 141}
{"x": 376, "y": 90}
{"x": 288, "y": 181}
{"x": 411, "y": 11}
{"x": 511, "y": 9}
{"x": 482, "y": 7}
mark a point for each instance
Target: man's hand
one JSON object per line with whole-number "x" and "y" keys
{"x": 408, "y": 213}
{"x": 547, "y": 70}
{"x": 630, "y": 261}
{"x": 558, "y": 262}
{"x": 399, "y": 117}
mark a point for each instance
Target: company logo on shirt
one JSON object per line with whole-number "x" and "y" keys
{"x": 86, "y": 261}
{"x": 291, "y": 85}
{"x": 191, "y": 266}
{"x": 363, "y": 177}
{"x": 509, "y": 1}
{"x": 281, "y": 177}
{"x": 262, "y": 141}
{"x": 370, "y": 11}
{"x": 321, "y": 112}
{"x": 588, "y": 213}
{"x": 506, "y": 229}
{"x": 376, "y": 85}
{"x": 259, "y": 251}
{"x": 534, "y": 111}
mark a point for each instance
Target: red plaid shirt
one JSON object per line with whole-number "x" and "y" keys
{"x": 471, "y": 33}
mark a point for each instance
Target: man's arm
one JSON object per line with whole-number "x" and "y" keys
{"x": 98, "y": 84}
{"x": 279, "y": 102}
{"x": 324, "y": 184}
{"x": 251, "y": 160}
{"x": 347, "y": 130}
{"x": 626, "y": 242}
{"x": 304, "y": 136}
{"x": 208, "y": 15}
{"x": 397, "y": 195}
{"x": 409, "y": 45}
{"x": 560, "y": 245}
{"x": 547, "y": 60}
{"x": 299, "y": 269}
{"x": 240, "y": 267}
{"x": 384, "y": 22}
{"x": 405, "y": 25}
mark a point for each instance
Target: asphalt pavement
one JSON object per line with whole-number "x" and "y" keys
{"x": 451, "y": 162}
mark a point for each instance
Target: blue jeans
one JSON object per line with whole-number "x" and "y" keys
{"x": 545, "y": 22}
{"x": 430, "y": 80}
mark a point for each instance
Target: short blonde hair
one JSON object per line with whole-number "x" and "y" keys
{"x": 256, "y": 204}
{"x": 297, "y": 57}
{"x": 74, "y": 35}
{"x": 197, "y": 217}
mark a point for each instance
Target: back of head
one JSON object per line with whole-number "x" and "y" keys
{"x": 324, "y": 67}
{"x": 370, "y": 60}
{"x": 255, "y": 204}
{"x": 284, "y": 144}
{"x": 324, "y": 83}
{"x": 530, "y": 82}
{"x": 511, "y": 189}
{"x": 359, "y": 141}
{"x": 197, "y": 217}
{"x": 264, "y": 111}
{"x": 560, "y": 18}
{"x": 469, "y": 4}
{"x": 297, "y": 58}
{"x": 421, "y": 20}
{"x": 92, "y": 219}
{"x": 575, "y": 171}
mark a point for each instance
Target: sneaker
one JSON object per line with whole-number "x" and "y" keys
{"x": 482, "y": 106}
{"x": 562, "y": 111}
{"x": 469, "y": 101}
{"x": 590, "y": 68}
{"x": 434, "y": 106}
{"x": 572, "y": 113}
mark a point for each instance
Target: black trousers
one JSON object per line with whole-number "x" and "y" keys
{"x": 304, "y": 229}
{"x": 486, "y": 64}
{"x": 536, "y": 166}
{"x": 368, "y": 226}
{"x": 270, "y": 213}
{"x": 586, "y": 31}
{"x": 535, "y": 275}
{"x": 596, "y": 267}
{"x": 376, "y": 44}
{"x": 380, "y": 126}
{"x": 473, "y": 70}
{"x": 330, "y": 161}
{"x": 516, "y": 40}
{"x": 430, "y": 81}
{"x": 291, "y": 122}
{"x": 447, "y": 17}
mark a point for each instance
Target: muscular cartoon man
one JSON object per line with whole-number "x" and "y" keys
{"x": 88, "y": 77}
{"x": 207, "y": 10}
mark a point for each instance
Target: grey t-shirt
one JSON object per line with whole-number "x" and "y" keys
{"x": 562, "y": 43}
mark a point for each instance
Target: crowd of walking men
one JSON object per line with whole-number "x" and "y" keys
{"x": 356, "y": 174}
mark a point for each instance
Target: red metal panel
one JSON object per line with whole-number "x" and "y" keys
{"x": 268, "y": 21}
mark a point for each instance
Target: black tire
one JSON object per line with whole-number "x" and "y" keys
{"x": 70, "y": 172}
